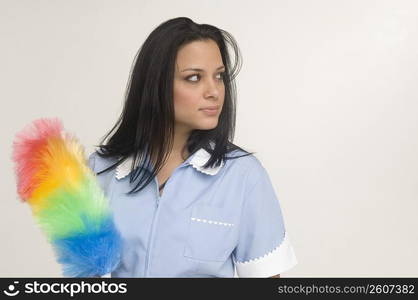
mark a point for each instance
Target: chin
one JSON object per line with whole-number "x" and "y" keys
{"x": 207, "y": 126}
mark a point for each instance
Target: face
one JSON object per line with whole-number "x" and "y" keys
{"x": 198, "y": 94}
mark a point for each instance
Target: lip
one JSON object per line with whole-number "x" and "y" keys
{"x": 215, "y": 107}
{"x": 211, "y": 110}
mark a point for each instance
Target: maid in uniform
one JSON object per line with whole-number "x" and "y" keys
{"x": 186, "y": 200}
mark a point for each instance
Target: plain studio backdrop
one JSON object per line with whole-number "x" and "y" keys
{"x": 327, "y": 98}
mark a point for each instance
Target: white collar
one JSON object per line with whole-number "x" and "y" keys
{"x": 198, "y": 160}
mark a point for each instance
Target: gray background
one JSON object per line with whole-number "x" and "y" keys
{"x": 327, "y": 98}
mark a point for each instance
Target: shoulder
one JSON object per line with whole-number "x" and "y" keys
{"x": 248, "y": 166}
{"x": 98, "y": 163}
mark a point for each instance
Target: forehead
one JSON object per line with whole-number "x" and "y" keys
{"x": 202, "y": 54}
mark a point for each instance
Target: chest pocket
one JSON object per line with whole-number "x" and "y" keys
{"x": 211, "y": 235}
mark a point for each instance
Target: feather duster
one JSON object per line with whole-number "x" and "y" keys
{"x": 66, "y": 200}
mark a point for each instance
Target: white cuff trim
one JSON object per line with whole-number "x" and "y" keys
{"x": 279, "y": 260}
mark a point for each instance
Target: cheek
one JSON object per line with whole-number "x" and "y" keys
{"x": 185, "y": 101}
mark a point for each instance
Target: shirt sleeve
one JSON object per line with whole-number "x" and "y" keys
{"x": 96, "y": 165}
{"x": 263, "y": 248}
{"x": 91, "y": 161}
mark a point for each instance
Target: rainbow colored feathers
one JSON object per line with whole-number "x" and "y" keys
{"x": 66, "y": 199}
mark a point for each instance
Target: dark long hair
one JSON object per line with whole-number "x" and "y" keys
{"x": 146, "y": 124}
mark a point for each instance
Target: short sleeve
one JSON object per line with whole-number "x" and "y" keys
{"x": 91, "y": 161}
{"x": 98, "y": 164}
{"x": 263, "y": 248}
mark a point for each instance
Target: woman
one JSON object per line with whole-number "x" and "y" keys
{"x": 194, "y": 204}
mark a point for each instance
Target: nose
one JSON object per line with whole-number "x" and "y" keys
{"x": 211, "y": 89}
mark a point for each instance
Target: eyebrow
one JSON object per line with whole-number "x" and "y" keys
{"x": 200, "y": 70}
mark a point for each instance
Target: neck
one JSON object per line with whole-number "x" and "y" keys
{"x": 181, "y": 135}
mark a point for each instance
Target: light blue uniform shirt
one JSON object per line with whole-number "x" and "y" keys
{"x": 215, "y": 222}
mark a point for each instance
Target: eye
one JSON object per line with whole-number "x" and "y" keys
{"x": 222, "y": 75}
{"x": 188, "y": 78}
